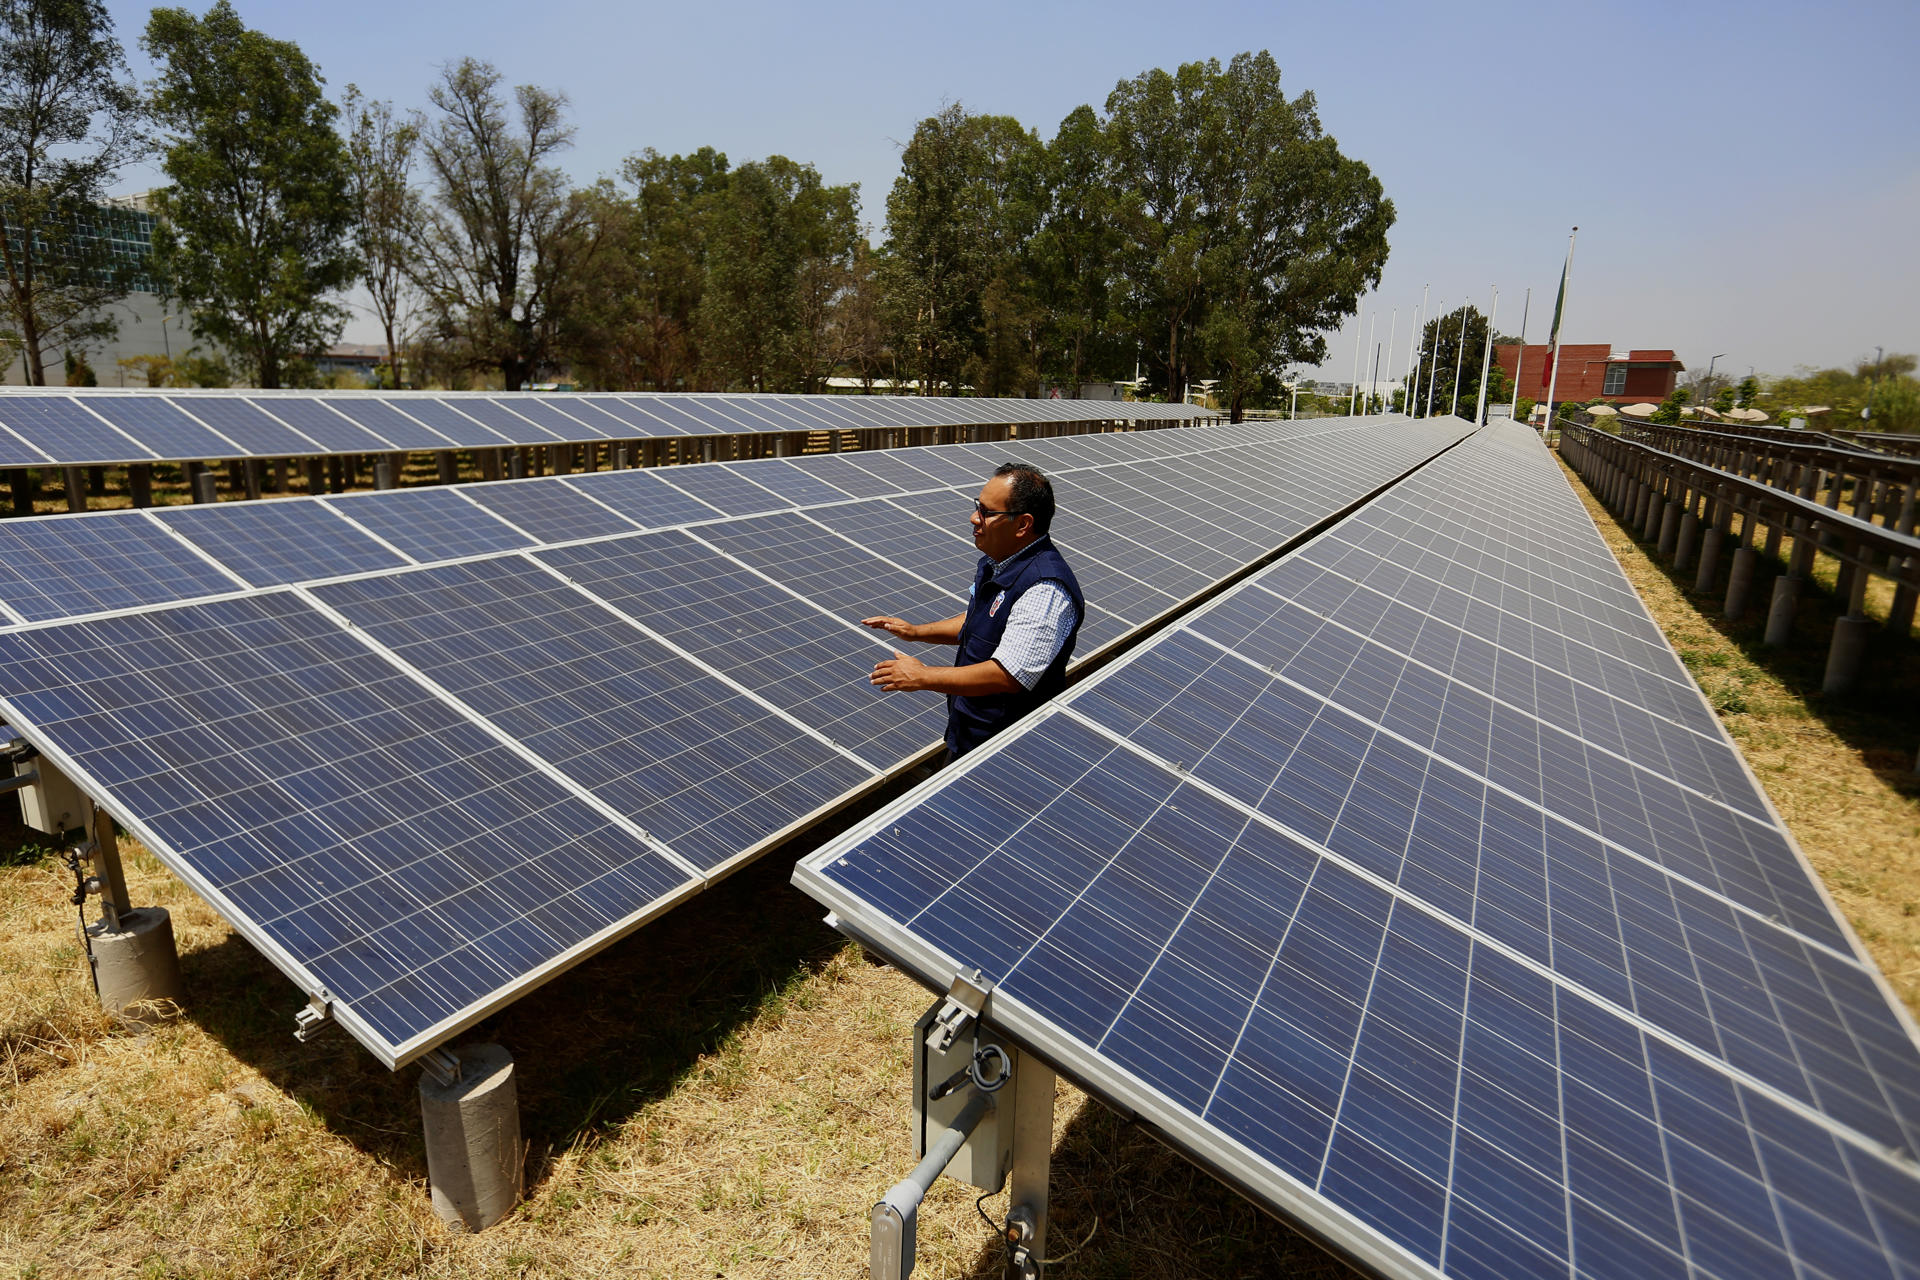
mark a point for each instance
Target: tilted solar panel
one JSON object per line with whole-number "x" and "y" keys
{"x": 1309, "y": 886}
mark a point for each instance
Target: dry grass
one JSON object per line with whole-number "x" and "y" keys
{"x": 1839, "y": 769}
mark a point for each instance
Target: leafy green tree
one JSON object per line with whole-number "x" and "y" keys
{"x": 1748, "y": 390}
{"x": 506, "y": 242}
{"x": 1668, "y": 411}
{"x": 1248, "y": 235}
{"x": 254, "y": 234}
{"x": 69, "y": 120}
{"x": 1071, "y": 256}
{"x": 1723, "y": 400}
{"x": 780, "y": 246}
{"x": 962, "y": 206}
{"x": 386, "y": 209}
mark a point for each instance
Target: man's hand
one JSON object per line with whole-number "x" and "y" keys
{"x": 899, "y": 674}
{"x": 898, "y": 628}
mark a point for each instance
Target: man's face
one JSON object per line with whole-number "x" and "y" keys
{"x": 999, "y": 536}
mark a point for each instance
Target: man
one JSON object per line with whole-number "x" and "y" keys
{"x": 1016, "y": 637}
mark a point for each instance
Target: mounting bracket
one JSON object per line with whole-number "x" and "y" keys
{"x": 966, "y": 1001}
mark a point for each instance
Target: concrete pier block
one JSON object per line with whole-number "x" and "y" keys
{"x": 472, "y": 1127}
{"x": 383, "y": 473}
{"x": 1709, "y": 570}
{"x": 136, "y": 969}
{"x": 1786, "y": 597}
{"x": 1686, "y": 538}
{"x": 1740, "y": 583}
{"x": 1669, "y": 527}
{"x": 1847, "y": 654}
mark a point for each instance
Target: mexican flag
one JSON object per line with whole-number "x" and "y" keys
{"x": 1553, "y": 332}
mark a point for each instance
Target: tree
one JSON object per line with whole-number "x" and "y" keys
{"x": 254, "y": 232}
{"x": 1749, "y": 390}
{"x": 1071, "y": 256}
{"x": 961, "y": 206}
{"x": 1668, "y": 412}
{"x": 1441, "y": 353}
{"x": 69, "y": 121}
{"x": 386, "y": 209}
{"x": 1248, "y": 235}
{"x": 506, "y": 239}
{"x": 780, "y": 247}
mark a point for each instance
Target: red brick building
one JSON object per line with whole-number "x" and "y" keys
{"x": 1593, "y": 369}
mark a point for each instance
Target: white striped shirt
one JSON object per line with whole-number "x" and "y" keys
{"x": 1037, "y": 627}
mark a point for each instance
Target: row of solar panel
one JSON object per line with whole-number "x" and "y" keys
{"x": 72, "y": 565}
{"x": 1411, "y": 883}
{"x": 422, "y": 789}
{"x": 89, "y": 429}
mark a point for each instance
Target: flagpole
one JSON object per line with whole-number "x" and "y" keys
{"x": 1520, "y": 357}
{"x": 1459, "y": 361}
{"x": 1433, "y": 365}
{"x": 1486, "y": 359}
{"x": 1553, "y": 339}
{"x": 1357, "y": 348}
{"x": 1393, "y": 331}
{"x": 1373, "y": 323}
{"x": 1413, "y": 354}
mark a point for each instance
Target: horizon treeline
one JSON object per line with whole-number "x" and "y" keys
{"x": 1200, "y": 228}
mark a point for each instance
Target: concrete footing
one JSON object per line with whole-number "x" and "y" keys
{"x": 1709, "y": 570}
{"x": 1847, "y": 655}
{"x": 1740, "y": 583}
{"x": 136, "y": 969}
{"x": 1685, "y": 538}
{"x": 1786, "y": 598}
{"x": 472, "y": 1127}
{"x": 1669, "y": 527}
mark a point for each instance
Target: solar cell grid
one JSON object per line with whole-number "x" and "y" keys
{"x": 548, "y": 509}
{"x": 401, "y": 431}
{"x": 429, "y": 524}
{"x": 1401, "y": 948}
{"x": 788, "y": 482}
{"x": 558, "y": 416}
{"x": 833, "y": 573}
{"x": 163, "y": 429}
{"x": 65, "y": 432}
{"x": 643, "y": 497}
{"x": 271, "y": 543}
{"x": 836, "y": 470}
{"x": 394, "y": 826}
{"x": 677, "y": 417}
{"x": 896, "y": 470}
{"x": 938, "y": 555}
{"x": 728, "y": 491}
{"x": 248, "y": 428}
{"x": 475, "y": 420}
{"x": 701, "y": 767}
{"x": 780, "y": 647}
{"x": 57, "y": 567}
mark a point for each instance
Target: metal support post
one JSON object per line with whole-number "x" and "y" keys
{"x": 1032, "y": 1166}
{"x": 446, "y": 466}
{"x": 76, "y": 488}
{"x": 136, "y": 969}
{"x": 250, "y": 476}
{"x": 140, "y": 483}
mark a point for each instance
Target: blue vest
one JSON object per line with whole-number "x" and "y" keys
{"x": 972, "y": 720}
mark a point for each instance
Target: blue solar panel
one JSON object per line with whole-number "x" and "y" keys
{"x": 549, "y": 509}
{"x": 330, "y": 431}
{"x": 270, "y": 543}
{"x": 645, "y": 412}
{"x": 790, "y": 653}
{"x": 59, "y": 567}
{"x": 832, "y": 572}
{"x": 14, "y": 450}
{"x": 66, "y": 432}
{"x": 938, "y": 555}
{"x": 502, "y": 420}
{"x": 843, "y": 475}
{"x": 707, "y": 770}
{"x": 455, "y": 426}
{"x": 689, "y": 416}
{"x": 1307, "y": 900}
{"x": 797, "y": 487}
{"x": 429, "y": 524}
{"x": 727, "y": 490}
{"x": 379, "y": 845}
{"x": 385, "y": 420}
{"x": 643, "y": 497}
{"x": 246, "y": 426}
{"x": 165, "y": 430}
{"x": 890, "y": 466}
{"x": 557, "y": 416}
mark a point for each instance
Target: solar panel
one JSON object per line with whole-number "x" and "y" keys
{"x": 835, "y": 470}
{"x": 643, "y": 497}
{"x": 64, "y": 565}
{"x": 778, "y": 646}
{"x": 462, "y": 429}
{"x": 797, "y": 487}
{"x": 420, "y": 866}
{"x": 693, "y": 702}
{"x": 270, "y": 543}
{"x": 499, "y": 419}
{"x": 704, "y": 769}
{"x": 67, "y": 433}
{"x": 330, "y": 431}
{"x": 383, "y": 419}
{"x": 163, "y": 429}
{"x": 429, "y": 524}
{"x": 547, "y": 509}
{"x": 250, "y": 429}
{"x": 729, "y": 491}
{"x": 1262, "y": 885}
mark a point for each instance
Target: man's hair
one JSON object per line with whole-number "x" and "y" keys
{"x": 1031, "y": 494}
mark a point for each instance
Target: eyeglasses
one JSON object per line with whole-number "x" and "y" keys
{"x": 986, "y": 512}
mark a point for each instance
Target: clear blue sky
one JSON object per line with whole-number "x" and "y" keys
{"x": 1746, "y": 177}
